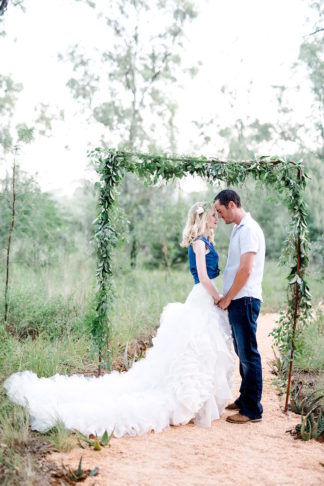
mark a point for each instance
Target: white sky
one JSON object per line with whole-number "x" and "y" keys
{"x": 247, "y": 45}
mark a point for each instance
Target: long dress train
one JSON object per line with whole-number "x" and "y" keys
{"x": 187, "y": 374}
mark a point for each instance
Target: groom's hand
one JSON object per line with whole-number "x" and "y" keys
{"x": 224, "y": 302}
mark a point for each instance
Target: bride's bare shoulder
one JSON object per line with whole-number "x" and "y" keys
{"x": 198, "y": 246}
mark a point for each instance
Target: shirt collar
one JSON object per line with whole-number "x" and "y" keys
{"x": 244, "y": 220}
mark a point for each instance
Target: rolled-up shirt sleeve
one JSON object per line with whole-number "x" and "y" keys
{"x": 249, "y": 240}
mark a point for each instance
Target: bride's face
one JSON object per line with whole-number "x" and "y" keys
{"x": 212, "y": 219}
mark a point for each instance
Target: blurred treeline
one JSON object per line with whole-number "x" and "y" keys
{"x": 138, "y": 112}
{"x": 150, "y": 221}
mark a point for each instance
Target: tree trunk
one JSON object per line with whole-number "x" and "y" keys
{"x": 13, "y": 215}
{"x": 133, "y": 252}
{"x": 165, "y": 258}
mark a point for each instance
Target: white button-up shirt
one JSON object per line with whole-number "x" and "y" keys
{"x": 246, "y": 237}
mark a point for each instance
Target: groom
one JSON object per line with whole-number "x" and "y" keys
{"x": 242, "y": 297}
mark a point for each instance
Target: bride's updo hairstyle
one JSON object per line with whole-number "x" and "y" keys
{"x": 196, "y": 223}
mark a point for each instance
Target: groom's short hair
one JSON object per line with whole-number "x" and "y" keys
{"x": 226, "y": 196}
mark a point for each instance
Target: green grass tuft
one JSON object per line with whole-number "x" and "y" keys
{"x": 311, "y": 344}
{"x": 62, "y": 439}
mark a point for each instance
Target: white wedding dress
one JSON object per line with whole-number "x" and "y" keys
{"x": 187, "y": 374}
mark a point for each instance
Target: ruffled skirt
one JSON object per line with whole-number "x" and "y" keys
{"x": 186, "y": 375}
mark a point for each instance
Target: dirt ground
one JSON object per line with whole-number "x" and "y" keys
{"x": 251, "y": 454}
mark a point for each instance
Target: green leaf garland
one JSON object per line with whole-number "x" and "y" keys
{"x": 286, "y": 176}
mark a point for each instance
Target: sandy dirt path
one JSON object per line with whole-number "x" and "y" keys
{"x": 226, "y": 454}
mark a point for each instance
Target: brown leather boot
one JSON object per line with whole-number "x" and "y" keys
{"x": 238, "y": 418}
{"x": 232, "y": 406}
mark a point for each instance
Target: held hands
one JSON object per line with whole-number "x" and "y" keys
{"x": 224, "y": 302}
{"x": 216, "y": 300}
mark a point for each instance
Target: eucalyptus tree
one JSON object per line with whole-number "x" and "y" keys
{"x": 129, "y": 86}
{"x": 15, "y": 198}
{"x": 8, "y": 97}
{"x": 24, "y": 135}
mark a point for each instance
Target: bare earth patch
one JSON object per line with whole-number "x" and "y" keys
{"x": 251, "y": 454}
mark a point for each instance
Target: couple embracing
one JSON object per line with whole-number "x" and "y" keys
{"x": 187, "y": 374}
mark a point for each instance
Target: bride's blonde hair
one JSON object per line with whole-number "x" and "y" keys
{"x": 196, "y": 223}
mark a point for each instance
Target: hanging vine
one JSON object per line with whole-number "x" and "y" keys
{"x": 110, "y": 173}
{"x": 286, "y": 176}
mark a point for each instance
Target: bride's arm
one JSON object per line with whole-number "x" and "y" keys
{"x": 199, "y": 249}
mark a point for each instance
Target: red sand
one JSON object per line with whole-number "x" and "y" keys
{"x": 251, "y": 454}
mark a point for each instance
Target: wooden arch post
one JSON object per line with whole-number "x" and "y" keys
{"x": 296, "y": 308}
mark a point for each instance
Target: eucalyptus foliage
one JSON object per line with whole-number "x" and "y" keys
{"x": 286, "y": 176}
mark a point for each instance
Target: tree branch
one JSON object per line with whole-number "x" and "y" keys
{"x": 320, "y": 29}
{"x": 3, "y": 6}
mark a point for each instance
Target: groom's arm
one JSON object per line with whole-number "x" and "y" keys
{"x": 242, "y": 276}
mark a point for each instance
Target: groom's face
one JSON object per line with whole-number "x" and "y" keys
{"x": 227, "y": 214}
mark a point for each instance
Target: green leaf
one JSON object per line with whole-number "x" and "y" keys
{"x": 104, "y": 439}
{"x": 79, "y": 471}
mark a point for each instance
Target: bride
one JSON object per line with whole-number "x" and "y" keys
{"x": 186, "y": 375}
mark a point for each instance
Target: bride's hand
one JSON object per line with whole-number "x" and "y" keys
{"x": 220, "y": 296}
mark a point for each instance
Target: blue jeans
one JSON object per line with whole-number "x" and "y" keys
{"x": 243, "y": 314}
